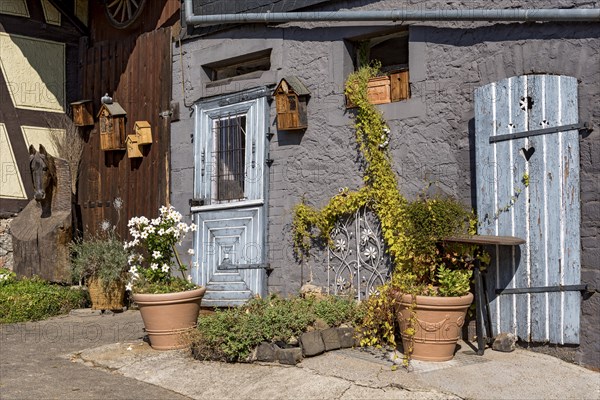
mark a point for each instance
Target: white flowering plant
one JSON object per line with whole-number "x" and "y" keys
{"x": 153, "y": 254}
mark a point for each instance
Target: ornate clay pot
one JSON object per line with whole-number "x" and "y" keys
{"x": 167, "y": 317}
{"x": 439, "y": 321}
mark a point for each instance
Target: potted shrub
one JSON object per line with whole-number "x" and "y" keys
{"x": 101, "y": 262}
{"x": 169, "y": 304}
{"x": 432, "y": 285}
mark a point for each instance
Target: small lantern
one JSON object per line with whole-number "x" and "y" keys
{"x": 133, "y": 147}
{"x": 82, "y": 113}
{"x": 291, "y": 97}
{"x": 143, "y": 131}
{"x": 112, "y": 127}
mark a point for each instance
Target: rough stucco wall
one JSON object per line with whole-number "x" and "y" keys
{"x": 432, "y": 133}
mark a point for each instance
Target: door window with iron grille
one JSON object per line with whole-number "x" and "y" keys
{"x": 230, "y": 147}
{"x": 229, "y": 158}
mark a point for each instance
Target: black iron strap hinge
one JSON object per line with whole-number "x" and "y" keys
{"x": 229, "y": 266}
{"x": 537, "y": 132}
{"x": 584, "y": 289}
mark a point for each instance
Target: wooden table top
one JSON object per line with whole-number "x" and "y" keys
{"x": 486, "y": 240}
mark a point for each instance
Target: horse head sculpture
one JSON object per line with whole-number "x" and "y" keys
{"x": 43, "y": 173}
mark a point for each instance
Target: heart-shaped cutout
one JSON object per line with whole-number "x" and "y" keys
{"x": 527, "y": 153}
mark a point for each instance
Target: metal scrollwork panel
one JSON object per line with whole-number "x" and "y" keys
{"x": 357, "y": 262}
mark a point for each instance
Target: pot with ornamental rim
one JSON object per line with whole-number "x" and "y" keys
{"x": 437, "y": 324}
{"x": 169, "y": 316}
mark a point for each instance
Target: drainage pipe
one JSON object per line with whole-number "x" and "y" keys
{"x": 582, "y": 14}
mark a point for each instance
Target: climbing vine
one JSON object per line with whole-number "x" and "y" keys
{"x": 416, "y": 259}
{"x": 380, "y": 191}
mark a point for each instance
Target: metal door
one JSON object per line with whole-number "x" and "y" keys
{"x": 230, "y": 143}
{"x": 527, "y": 155}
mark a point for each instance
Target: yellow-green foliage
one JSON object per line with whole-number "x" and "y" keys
{"x": 380, "y": 191}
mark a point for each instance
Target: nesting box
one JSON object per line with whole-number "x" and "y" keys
{"x": 112, "y": 127}
{"x": 82, "y": 113}
{"x": 133, "y": 147}
{"x": 143, "y": 131}
{"x": 291, "y": 97}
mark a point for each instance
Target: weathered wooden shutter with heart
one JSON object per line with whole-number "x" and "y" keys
{"x": 527, "y": 157}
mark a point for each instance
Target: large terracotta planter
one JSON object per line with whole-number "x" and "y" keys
{"x": 439, "y": 321}
{"x": 167, "y": 317}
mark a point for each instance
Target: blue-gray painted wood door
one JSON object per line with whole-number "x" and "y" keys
{"x": 230, "y": 143}
{"x": 529, "y": 187}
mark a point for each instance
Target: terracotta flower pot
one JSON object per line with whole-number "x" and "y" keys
{"x": 438, "y": 325}
{"x": 167, "y": 317}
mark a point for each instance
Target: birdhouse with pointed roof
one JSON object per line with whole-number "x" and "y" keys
{"x": 291, "y": 98}
{"x": 134, "y": 149}
{"x": 143, "y": 131}
{"x": 82, "y": 113}
{"x": 112, "y": 126}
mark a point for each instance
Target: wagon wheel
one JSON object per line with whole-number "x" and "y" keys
{"x": 122, "y": 13}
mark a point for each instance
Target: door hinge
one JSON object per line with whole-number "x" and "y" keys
{"x": 230, "y": 266}
{"x": 544, "y": 289}
{"x": 537, "y": 132}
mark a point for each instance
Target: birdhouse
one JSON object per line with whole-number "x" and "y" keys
{"x": 133, "y": 147}
{"x": 82, "y": 113}
{"x": 291, "y": 97}
{"x": 143, "y": 131}
{"x": 112, "y": 126}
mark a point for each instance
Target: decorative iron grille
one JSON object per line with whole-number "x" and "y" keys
{"x": 230, "y": 157}
{"x": 357, "y": 263}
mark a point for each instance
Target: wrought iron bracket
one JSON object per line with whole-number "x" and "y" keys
{"x": 537, "y": 132}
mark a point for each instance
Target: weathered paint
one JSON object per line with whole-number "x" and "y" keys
{"x": 35, "y": 70}
{"x": 235, "y": 227}
{"x": 11, "y": 183}
{"x": 546, "y": 212}
{"x": 36, "y": 135}
{"x": 14, "y": 7}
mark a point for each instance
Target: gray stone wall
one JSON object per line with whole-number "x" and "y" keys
{"x": 432, "y": 133}
{"x": 6, "y": 248}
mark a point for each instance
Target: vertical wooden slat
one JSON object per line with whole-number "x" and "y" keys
{"x": 570, "y": 204}
{"x": 538, "y": 225}
{"x": 503, "y": 193}
{"x": 519, "y": 208}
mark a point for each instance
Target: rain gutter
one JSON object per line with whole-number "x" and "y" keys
{"x": 515, "y": 15}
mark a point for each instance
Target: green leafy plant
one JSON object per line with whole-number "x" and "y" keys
{"x": 102, "y": 257}
{"x": 33, "y": 299}
{"x": 154, "y": 255}
{"x": 413, "y": 232}
{"x": 230, "y": 335}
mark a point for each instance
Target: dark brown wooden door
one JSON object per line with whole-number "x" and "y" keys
{"x": 136, "y": 73}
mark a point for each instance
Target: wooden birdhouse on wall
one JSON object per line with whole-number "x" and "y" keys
{"x": 134, "y": 150}
{"x": 291, "y": 97}
{"x": 143, "y": 131}
{"x": 82, "y": 113}
{"x": 112, "y": 127}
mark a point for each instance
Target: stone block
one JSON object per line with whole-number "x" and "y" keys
{"x": 267, "y": 352}
{"x": 331, "y": 339}
{"x": 312, "y": 343}
{"x": 504, "y": 342}
{"x": 346, "y": 337}
{"x": 291, "y": 356}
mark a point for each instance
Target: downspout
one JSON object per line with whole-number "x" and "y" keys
{"x": 539, "y": 15}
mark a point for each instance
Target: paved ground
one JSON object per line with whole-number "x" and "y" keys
{"x": 89, "y": 356}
